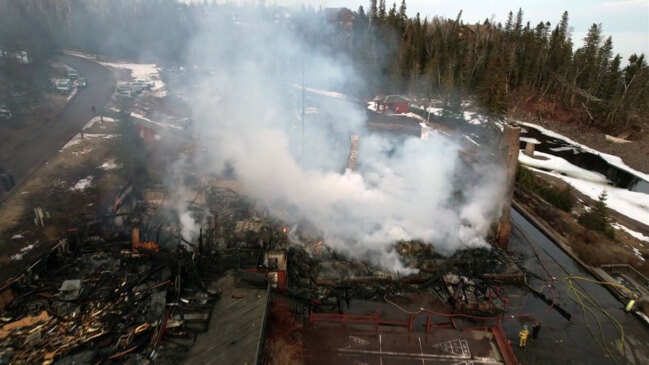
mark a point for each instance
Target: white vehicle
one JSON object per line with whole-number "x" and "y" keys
{"x": 63, "y": 86}
{"x": 5, "y": 113}
{"x": 125, "y": 94}
{"x": 125, "y": 89}
{"x": 140, "y": 85}
{"x": 72, "y": 74}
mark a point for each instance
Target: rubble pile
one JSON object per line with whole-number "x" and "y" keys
{"x": 469, "y": 281}
{"x": 474, "y": 296}
{"x": 107, "y": 300}
{"x": 137, "y": 289}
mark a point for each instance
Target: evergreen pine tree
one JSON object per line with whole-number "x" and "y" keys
{"x": 597, "y": 218}
{"x": 374, "y": 15}
{"x": 382, "y": 12}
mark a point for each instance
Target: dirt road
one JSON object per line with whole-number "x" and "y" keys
{"x": 33, "y": 152}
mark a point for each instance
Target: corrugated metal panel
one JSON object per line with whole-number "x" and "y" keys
{"x": 236, "y": 326}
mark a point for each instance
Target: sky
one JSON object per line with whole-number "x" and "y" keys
{"x": 627, "y": 21}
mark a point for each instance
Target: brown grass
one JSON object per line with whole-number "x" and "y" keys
{"x": 13, "y": 134}
{"x": 592, "y": 248}
{"x": 6, "y": 298}
{"x": 595, "y": 249}
{"x": 283, "y": 343}
{"x": 281, "y": 351}
{"x": 47, "y": 188}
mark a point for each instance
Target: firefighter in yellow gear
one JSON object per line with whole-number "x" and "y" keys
{"x": 522, "y": 336}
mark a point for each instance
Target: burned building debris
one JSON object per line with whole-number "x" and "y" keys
{"x": 115, "y": 298}
{"x": 129, "y": 286}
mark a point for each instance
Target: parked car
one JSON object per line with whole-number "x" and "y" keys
{"x": 5, "y": 113}
{"x": 142, "y": 85}
{"x": 135, "y": 87}
{"x": 125, "y": 94}
{"x": 72, "y": 74}
{"x": 125, "y": 91}
{"x": 82, "y": 82}
{"x": 7, "y": 179}
{"x": 63, "y": 86}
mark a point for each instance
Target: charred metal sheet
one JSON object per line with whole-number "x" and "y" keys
{"x": 70, "y": 290}
{"x": 235, "y": 329}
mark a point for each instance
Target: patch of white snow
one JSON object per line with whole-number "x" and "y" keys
{"x": 109, "y": 165}
{"x": 631, "y": 232}
{"x": 82, "y": 184}
{"x": 638, "y": 254}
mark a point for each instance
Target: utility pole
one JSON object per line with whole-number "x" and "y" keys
{"x": 303, "y": 106}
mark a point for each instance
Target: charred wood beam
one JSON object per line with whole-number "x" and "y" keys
{"x": 144, "y": 276}
{"x": 193, "y": 270}
{"x": 352, "y": 160}
{"x": 416, "y": 280}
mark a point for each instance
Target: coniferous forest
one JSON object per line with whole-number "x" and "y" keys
{"x": 512, "y": 66}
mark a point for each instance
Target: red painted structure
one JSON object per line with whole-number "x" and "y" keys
{"x": 394, "y": 104}
{"x": 148, "y": 134}
{"x": 346, "y": 318}
{"x": 502, "y": 342}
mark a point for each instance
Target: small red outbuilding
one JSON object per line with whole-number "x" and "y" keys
{"x": 396, "y": 104}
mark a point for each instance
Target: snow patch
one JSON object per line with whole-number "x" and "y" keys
{"x": 329, "y": 93}
{"x": 99, "y": 135}
{"x": 637, "y": 254}
{"x": 561, "y": 166}
{"x": 434, "y": 111}
{"x": 71, "y": 143}
{"x": 164, "y": 125}
{"x": 530, "y": 140}
{"x": 71, "y": 94}
{"x": 98, "y": 120}
{"x": 560, "y": 149}
{"x": 23, "y": 251}
{"x": 631, "y": 232}
{"x": 110, "y": 165}
{"x": 632, "y": 204}
{"x": 413, "y": 115}
{"x": 84, "y": 151}
{"x": 82, "y": 184}
{"x": 77, "y": 139}
{"x": 140, "y": 71}
{"x": 613, "y": 160}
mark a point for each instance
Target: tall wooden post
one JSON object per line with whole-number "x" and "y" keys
{"x": 509, "y": 147}
{"x": 352, "y": 160}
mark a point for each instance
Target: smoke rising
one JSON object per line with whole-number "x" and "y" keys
{"x": 248, "y": 115}
{"x": 180, "y": 201}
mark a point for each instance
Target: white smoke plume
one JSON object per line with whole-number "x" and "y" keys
{"x": 180, "y": 200}
{"x": 247, "y": 115}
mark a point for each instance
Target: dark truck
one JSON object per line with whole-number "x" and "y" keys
{"x": 7, "y": 179}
